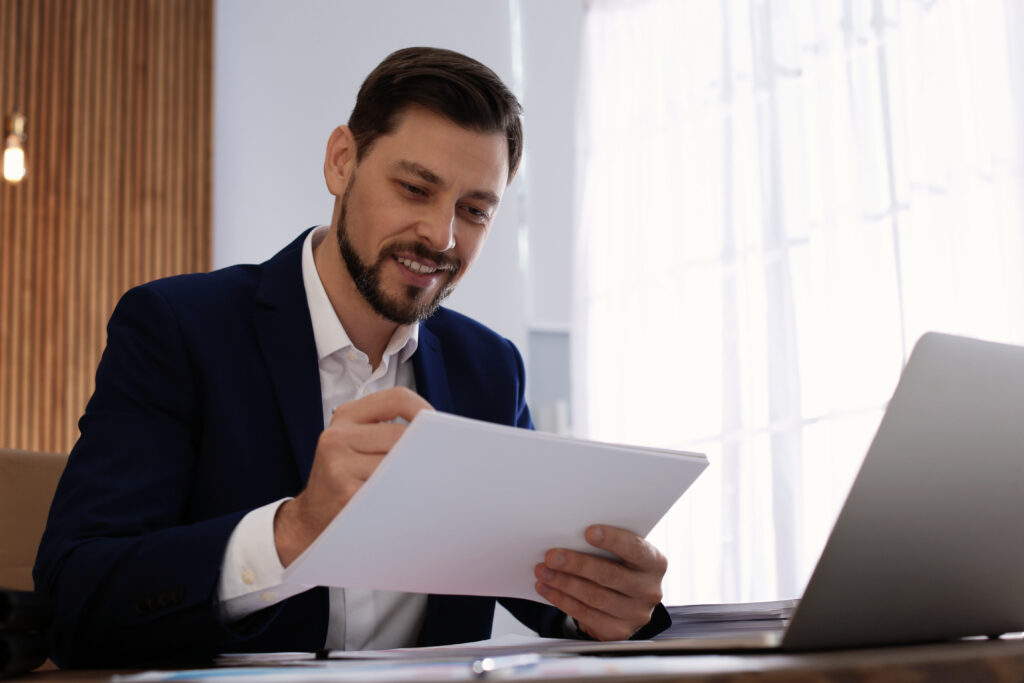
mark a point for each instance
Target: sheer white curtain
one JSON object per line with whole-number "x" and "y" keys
{"x": 777, "y": 198}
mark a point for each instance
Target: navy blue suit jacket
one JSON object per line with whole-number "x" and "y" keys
{"x": 208, "y": 405}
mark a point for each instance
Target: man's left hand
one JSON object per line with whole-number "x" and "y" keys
{"x": 610, "y": 600}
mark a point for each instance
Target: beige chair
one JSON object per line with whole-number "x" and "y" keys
{"x": 27, "y": 483}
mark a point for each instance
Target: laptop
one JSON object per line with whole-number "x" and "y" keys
{"x": 929, "y": 544}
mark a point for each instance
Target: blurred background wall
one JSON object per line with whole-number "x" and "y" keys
{"x": 117, "y": 96}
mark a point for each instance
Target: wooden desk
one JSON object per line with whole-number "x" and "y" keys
{"x": 989, "y": 661}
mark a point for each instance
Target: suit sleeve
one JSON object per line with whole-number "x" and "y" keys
{"x": 129, "y": 573}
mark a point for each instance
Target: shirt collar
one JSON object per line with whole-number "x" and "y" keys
{"x": 328, "y": 332}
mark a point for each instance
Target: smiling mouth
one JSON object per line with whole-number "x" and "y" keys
{"x": 421, "y": 268}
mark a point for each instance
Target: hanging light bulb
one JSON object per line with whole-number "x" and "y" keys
{"x": 14, "y": 148}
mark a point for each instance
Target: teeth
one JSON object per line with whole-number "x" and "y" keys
{"x": 417, "y": 267}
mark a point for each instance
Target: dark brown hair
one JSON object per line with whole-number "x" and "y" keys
{"x": 445, "y": 82}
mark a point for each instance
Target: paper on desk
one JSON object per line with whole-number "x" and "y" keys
{"x": 507, "y": 644}
{"x": 413, "y": 671}
{"x": 466, "y": 507}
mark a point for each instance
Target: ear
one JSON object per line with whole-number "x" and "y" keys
{"x": 339, "y": 160}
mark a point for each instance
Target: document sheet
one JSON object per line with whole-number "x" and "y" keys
{"x": 464, "y": 507}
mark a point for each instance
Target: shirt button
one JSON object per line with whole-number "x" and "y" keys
{"x": 267, "y": 597}
{"x": 351, "y": 355}
{"x": 248, "y": 577}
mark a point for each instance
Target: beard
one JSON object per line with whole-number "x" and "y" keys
{"x": 410, "y": 306}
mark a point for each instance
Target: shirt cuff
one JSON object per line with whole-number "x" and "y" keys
{"x": 251, "y": 575}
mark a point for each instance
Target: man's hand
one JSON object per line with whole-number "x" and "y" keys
{"x": 610, "y": 600}
{"x": 359, "y": 436}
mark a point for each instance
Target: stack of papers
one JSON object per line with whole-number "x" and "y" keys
{"x": 696, "y": 621}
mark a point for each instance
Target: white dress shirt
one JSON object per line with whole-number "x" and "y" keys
{"x": 251, "y": 573}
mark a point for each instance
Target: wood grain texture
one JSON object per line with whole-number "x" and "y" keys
{"x": 119, "y": 104}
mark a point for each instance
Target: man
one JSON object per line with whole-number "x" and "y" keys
{"x": 236, "y": 412}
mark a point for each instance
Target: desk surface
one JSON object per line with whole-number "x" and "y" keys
{"x": 995, "y": 661}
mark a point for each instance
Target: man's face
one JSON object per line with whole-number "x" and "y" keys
{"x": 416, "y": 211}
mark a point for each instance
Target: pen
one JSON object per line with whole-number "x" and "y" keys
{"x": 491, "y": 666}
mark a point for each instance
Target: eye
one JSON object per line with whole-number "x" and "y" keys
{"x": 477, "y": 215}
{"x": 413, "y": 189}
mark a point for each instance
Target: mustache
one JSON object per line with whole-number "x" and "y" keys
{"x": 422, "y": 251}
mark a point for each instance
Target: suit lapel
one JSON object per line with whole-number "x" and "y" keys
{"x": 285, "y": 333}
{"x": 431, "y": 376}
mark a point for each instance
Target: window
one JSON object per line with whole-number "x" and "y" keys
{"x": 777, "y": 200}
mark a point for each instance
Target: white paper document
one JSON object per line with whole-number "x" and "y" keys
{"x": 464, "y": 507}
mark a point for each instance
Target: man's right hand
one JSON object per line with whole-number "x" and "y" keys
{"x": 359, "y": 436}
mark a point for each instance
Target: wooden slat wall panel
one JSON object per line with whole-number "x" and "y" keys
{"x": 118, "y": 97}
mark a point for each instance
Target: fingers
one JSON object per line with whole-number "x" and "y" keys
{"x": 609, "y": 598}
{"x": 595, "y": 623}
{"x": 348, "y": 452}
{"x": 359, "y": 428}
{"x": 360, "y": 438}
{"x": 382, "y": 406}
{"x": 352, "y": 471}
{"x": 635, "y": 552}
{"x": 596, "y": 570}
{"x": 591, "y": 595}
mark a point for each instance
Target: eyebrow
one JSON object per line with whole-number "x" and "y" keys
{"x": 429, "y": 176}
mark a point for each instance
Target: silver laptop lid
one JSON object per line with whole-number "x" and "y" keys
{"x": 930, "y": 542}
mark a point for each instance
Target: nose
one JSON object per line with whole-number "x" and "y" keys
{"x": 437, "y": 229}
